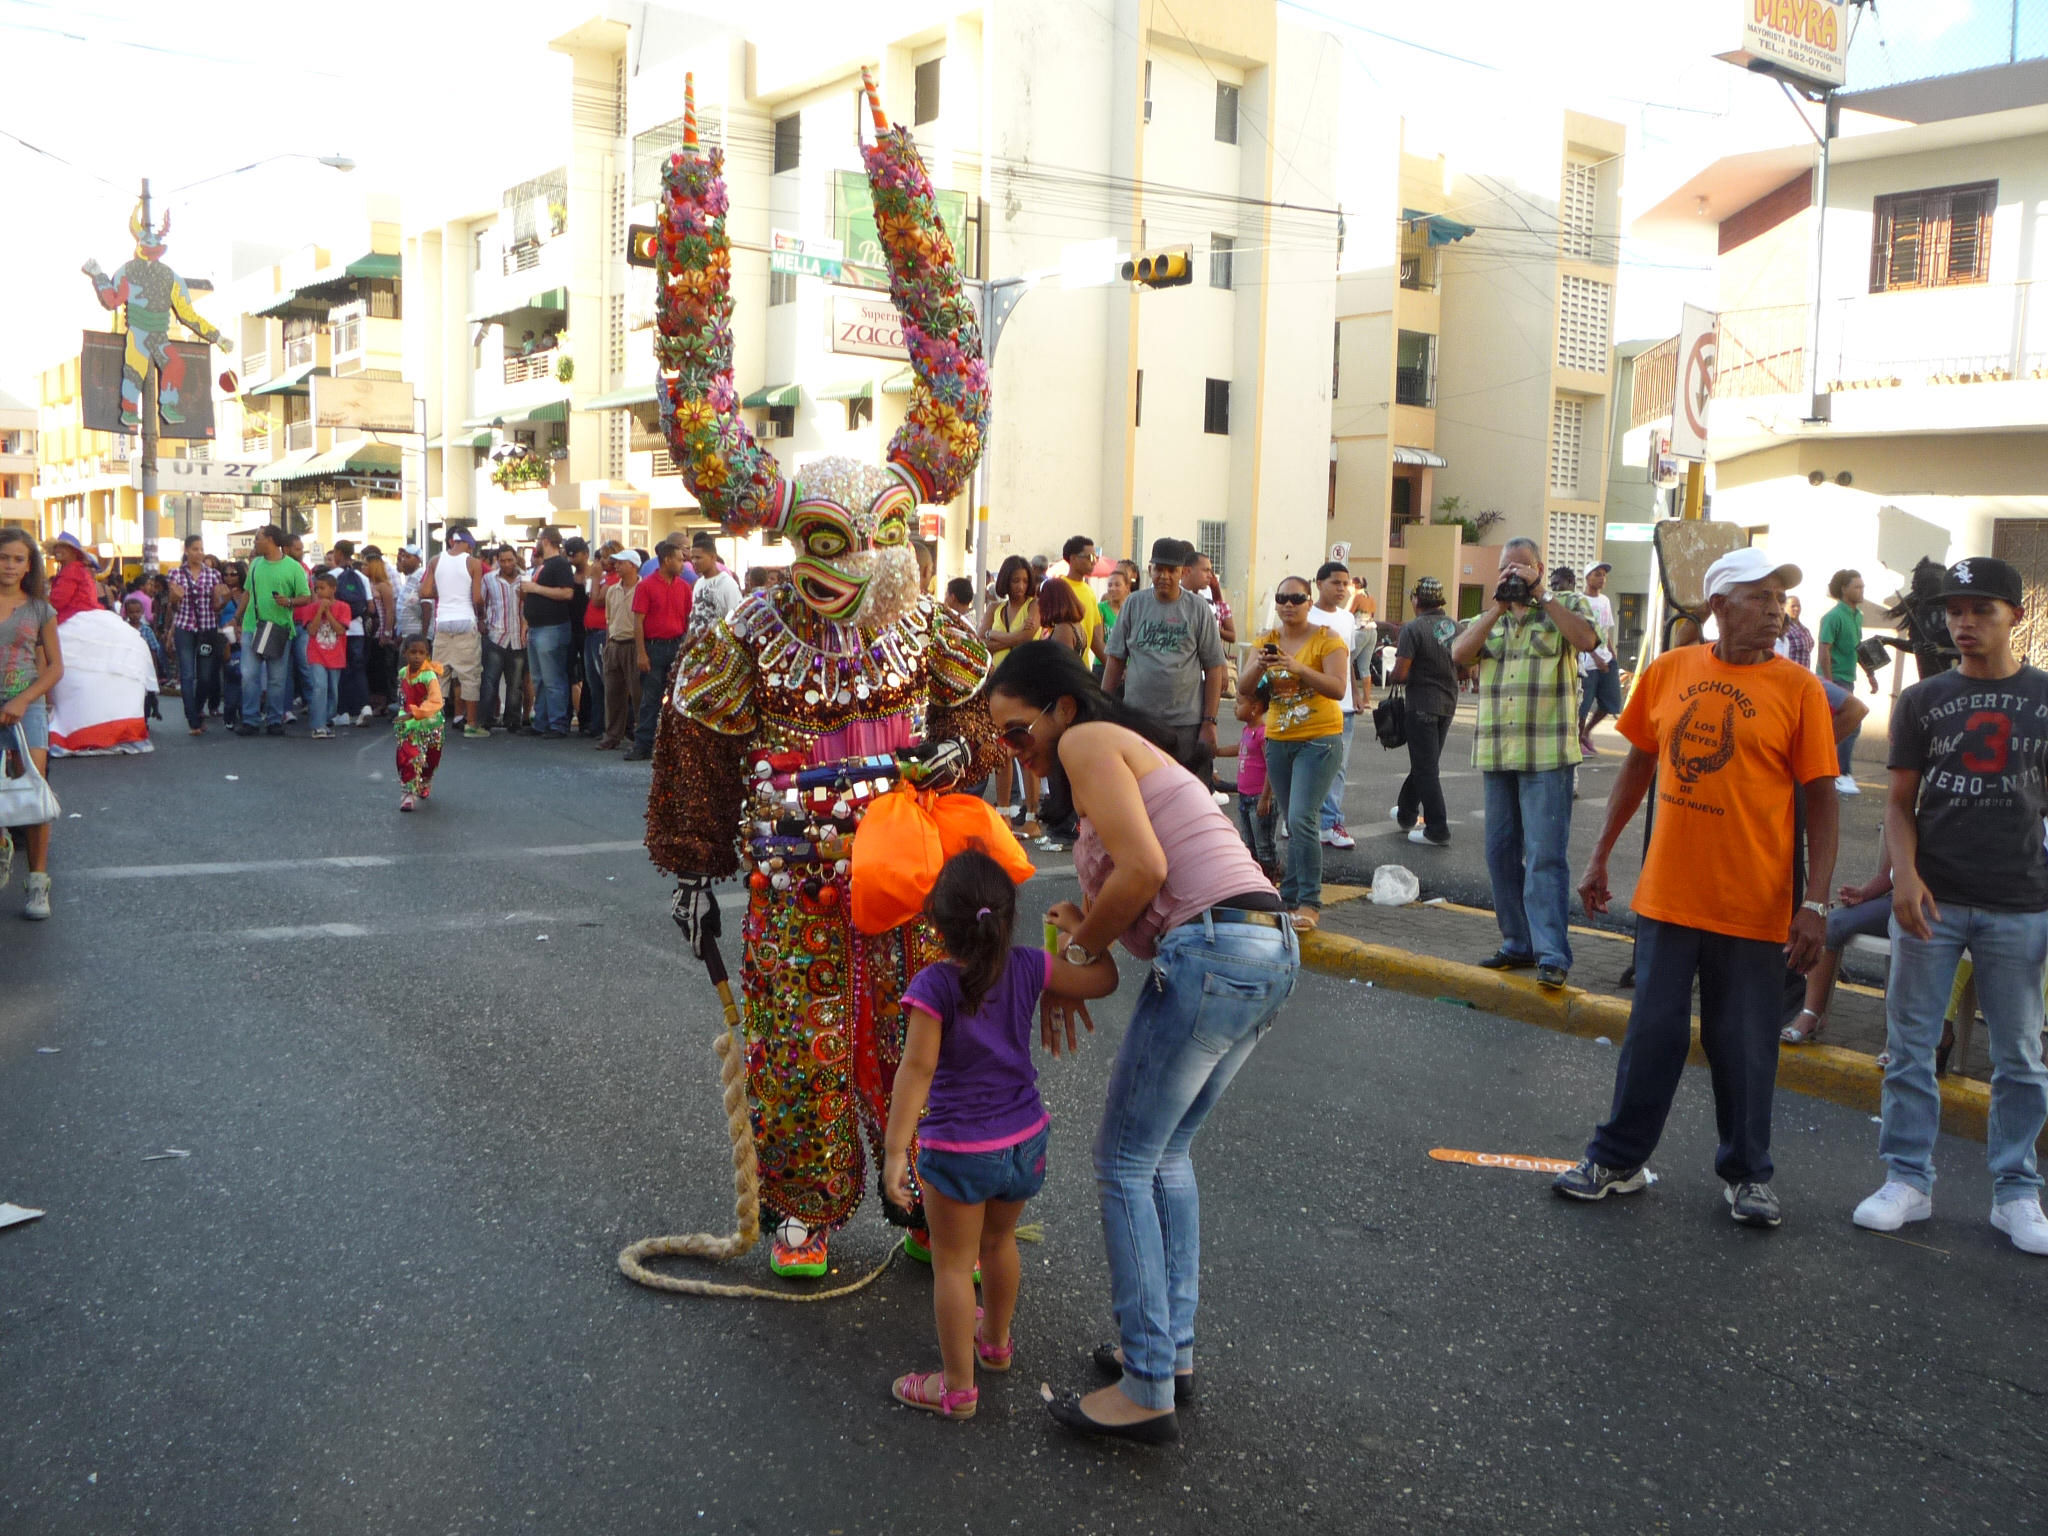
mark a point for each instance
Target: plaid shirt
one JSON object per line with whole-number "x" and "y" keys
{"x": 1797, "y": 644}
{"x": 194, "y": 590}
{"x": 1529, "y": 693}
{"x": 504, "y": 619}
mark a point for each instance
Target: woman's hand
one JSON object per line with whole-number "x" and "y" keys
{"x": 1057, "y": 1017}
{"x": 1066, "y": 917}
{"x": 896, "y": 1179}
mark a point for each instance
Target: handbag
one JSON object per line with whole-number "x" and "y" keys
{"x": 272, "y": 639}
{"x": 1390, "y": 720}
{"x": 26, "y": 799}
{"x": 1873, "y": 655}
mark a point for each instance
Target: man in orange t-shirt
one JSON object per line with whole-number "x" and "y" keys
{"x": 1730, "y": 733}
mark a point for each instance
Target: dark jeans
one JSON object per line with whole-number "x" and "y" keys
{"x": 352, "y": 692}
{"x": 1739, "y": 982}
{"x": 592, "y": 709}
{"x": 1845, "y": 752}
{"x": 198, "y": 676}
{"x": 653, "y": 684}
{"x": 1193, "y": 753}
{"x": 1422, "y": 792}
{"x": 1260, "y": 829}
{"x": 503, "y": 664}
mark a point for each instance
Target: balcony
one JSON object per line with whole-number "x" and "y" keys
{"x": 298, "y": 434}
{"x": 1418, "y": 274}
{"x": 1412, "y": 387}
{"x": 300, "y": 352}
{"x": 536, "y": 365}
{"x": 1978, "y": 333}
{"x": 256, "y": 442}
{"x": 255, "y": 370}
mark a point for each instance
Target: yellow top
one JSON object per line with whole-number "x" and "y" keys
{"x": 1294, "y": 711}
{"x": 1091, "y": 613}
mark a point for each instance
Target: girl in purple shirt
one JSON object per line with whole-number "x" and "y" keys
{"x": 967, "y": 1071}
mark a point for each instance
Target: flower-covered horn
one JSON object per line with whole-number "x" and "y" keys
{"x": 940, "y": 440}
{"x": 735, "y": 479}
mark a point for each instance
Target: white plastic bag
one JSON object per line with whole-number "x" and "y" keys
{"x": 1393, "y": 885}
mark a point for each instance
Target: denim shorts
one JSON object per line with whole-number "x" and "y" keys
{"x": 35, "y": 725}
{"x": 969, "y": 1178}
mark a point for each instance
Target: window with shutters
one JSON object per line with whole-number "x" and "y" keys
{"x": 1226, "y": 113}
{"x": 781, "y": 288}
{"x": 1584, "y": 324}
{"x": 925, "y": 92}
{"x": 1932, "y": 239}
{"x": 789, "y": 141}
{"x": 1567, "y": 430}
{"x": 1221, "y": 249}
{"x": 1216, "y": 406}
{"x": 1212, "y": 538}
{"x": 1574, "y": 541}
{"x": 1579, "y": 208}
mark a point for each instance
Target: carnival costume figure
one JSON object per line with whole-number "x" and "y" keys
{"x": 785, "y": 722}
{"x": 152, "y": 295}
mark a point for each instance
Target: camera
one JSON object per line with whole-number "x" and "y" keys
{"x": 1513, "y": 588}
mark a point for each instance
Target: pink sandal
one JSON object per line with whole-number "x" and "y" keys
{"x": 927, "y": 1390}
{"x": 992, "y": 1357}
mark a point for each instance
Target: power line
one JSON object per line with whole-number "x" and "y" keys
{"x": 48, "y": 154}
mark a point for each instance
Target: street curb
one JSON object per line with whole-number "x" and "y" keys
{"x": 1849, "y": 1078}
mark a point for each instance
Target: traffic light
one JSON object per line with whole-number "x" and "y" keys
{"x": 640, "y": 240}
{"x": 1161, "y": 269}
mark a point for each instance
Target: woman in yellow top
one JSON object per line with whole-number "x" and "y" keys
{"x": 1011, "y": 621}
{"x": 1300, "y": 669}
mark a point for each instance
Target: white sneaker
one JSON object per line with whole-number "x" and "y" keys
{"x": 2021, "y": 1220}
{"x": 1845, "y": 784}
{"x": 1893, "y": 1206}
{"x": 38, "y": 906}
{"x": 364, "y": 717}
{"x": 1337, "y": 837}
{"x": 1394, "y": 814}
{"x": 1418, "y": 835}
{"x": 1284, "y": 833}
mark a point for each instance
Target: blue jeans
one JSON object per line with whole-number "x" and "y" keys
{"x": 1741, "y": 996}
{"x": 1300, "y": 773}
{"x": 1528, "y": 859}
{"x": 2009, "y": 950}
{"x": 1845, "y": 750}
{"x": 593, "y": 682}
{"x": 302, "y": 671}
{"x": 322, "y": 702}
{"x": 198, "y": 677}
{"x": 266, "y": 686}
{"x": 1213, "y": 990}
{"x": 1333, "y": 802}
{"x": 548, "y": 646}
{"x": 1258, "y": 830}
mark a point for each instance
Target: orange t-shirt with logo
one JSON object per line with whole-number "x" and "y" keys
{"x": 1733, "y": 746}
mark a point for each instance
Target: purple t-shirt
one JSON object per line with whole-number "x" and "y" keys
{"x": 985, "y": 1091}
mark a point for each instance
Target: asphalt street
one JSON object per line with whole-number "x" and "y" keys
{"x": 434, "y": 1071}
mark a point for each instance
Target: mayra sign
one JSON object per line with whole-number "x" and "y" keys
{"x": 1806, "y": 41}
{"x": 867, "y": 327}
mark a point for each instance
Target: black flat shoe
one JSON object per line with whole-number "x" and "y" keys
{"x": 1501, "y": 960}
{"x": 1065, "y": 1407}
{"x": 1106, "y": 1362}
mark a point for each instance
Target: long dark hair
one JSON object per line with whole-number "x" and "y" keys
{"x": 973, "y": 907}
{"x": 33, "y": 582}
{"x": 1008, "y": 569}
{"x": 1042, "y": 672}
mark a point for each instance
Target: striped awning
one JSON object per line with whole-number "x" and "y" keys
{"x": 358, "y": 458}
{"x": 1421, "y": 456}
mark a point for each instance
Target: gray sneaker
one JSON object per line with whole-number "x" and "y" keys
{"x": 38, "y": 906}
{"x": 1753, "y": 1204}
{"x": 1593, "y": 1181}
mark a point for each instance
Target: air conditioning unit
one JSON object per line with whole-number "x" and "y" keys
{"x": 348, "y": 517}
{"x": 773, "y": 428}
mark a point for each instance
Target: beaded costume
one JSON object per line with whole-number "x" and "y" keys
{"x": 844, "y": 664}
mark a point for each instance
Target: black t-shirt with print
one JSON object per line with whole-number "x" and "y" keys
{"x": 1425, "y": 642}
{"x": 555, "y": 571}
{"x": 1981, "y": 747}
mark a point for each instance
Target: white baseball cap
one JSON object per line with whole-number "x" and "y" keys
{"x": 1739, "y": 567}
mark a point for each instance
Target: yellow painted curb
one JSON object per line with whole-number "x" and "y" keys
{"x": 1823, "y": 1071}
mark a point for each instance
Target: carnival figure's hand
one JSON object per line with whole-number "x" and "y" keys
{"x": 94, "y": 270}
{"x": 695, "y": 910}
{"x": 227, "y": 347}
{"x": 936, "y": 764}
{"x": 896, "y": 1180}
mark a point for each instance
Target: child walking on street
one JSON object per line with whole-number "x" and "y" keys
{"x": 419, "y": 723}
{"x": 981, "y": 1145}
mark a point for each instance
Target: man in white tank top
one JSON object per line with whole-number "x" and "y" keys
{"x": 454, "y": 580}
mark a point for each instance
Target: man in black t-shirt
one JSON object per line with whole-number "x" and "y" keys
{"x": 1422, "y": 664}
{"x": 550, "y": 605}
{"x": 1969, "y": 754}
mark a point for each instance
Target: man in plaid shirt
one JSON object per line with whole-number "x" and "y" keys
{"x": 1527, "y": 646}
{"x": 195, "y": 629}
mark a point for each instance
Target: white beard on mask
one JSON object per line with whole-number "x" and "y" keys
{"x": 891, "y": 585}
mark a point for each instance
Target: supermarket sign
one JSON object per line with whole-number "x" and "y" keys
{"x": 1803, "y": 41}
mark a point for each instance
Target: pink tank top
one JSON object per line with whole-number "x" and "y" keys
{"x": 1206, "y": 860}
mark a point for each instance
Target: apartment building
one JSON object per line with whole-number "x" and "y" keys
{"x": 1919, "y": 426}
{"x": 1038, "y": 124}
{"x": 18, "y": 465}
{"x": 1473, "y": 337}
{"x": 83, "y": 479}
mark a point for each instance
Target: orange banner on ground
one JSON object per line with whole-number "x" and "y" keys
{"x": 1513, "y": 1160}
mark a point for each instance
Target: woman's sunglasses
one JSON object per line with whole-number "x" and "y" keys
{"x": 1017, "y": 736}
{"x": 1290, "y": 598}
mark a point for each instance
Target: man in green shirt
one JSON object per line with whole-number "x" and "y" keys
{"x": 1527, "y": 648}
{"x": 276, "y": 582}
{"x": 1841, "y": 631}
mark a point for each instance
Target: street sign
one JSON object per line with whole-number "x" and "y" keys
{"x": 373, "y": 405}
{"x": 806, "y": 256}
{"x": 1699, "y": 340}
{"x": 1805, "y": 42}
{"x": 207, "y": 476}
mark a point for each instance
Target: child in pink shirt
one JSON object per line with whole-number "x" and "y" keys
{"x": 1255, "y": 813}
{"x": 326, "y": 620}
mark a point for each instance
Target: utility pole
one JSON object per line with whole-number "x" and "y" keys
{"x": 151, "y": 501}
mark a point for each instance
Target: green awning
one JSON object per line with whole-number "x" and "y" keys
{"x": 773, "y": 395}
{"x": 462, "y": 440}
{"x": 358, "y": 458}
{"x": 291, "y": 382}
{"x": 901, "y": 382}
{"x": 376, "y": 264}
{"x": 623, "y": 399}
{"x": 280, "y": 305}
{"x": 547, "y": 410}
{"x": 552, "y": 298}
{"x": 287, "y": 468}
{"x": 1442, "y": 231}
{"x": 861, "y": 389}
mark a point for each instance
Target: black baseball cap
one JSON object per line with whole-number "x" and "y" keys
{"x": 1982, "y": 576}
{"x": 1172, "y": 551}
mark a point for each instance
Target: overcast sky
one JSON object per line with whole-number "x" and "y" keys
{"x": 183, "y": 89}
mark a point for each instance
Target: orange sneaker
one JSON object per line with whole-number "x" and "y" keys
{"x": 798, "y": 1261}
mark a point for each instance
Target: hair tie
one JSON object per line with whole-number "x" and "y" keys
{"x": 982, "y": 912}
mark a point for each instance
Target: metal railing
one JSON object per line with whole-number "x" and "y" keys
{"x": 298, "y": 434}
{"x": 537, "y": 365}
{"x": 256, "y": 442}
{"x": 1655, "y": 384}
{"x": 523, "y": 257}
{"x": 1412, "y": 386}
{"x": 1416, "y": 276}
{"x": 1971, "y": 333}
{"x": 255, "y": 369}
{"x": 299, "y": 351}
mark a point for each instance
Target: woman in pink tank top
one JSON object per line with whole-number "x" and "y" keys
{"x": 1163, "y": 871}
